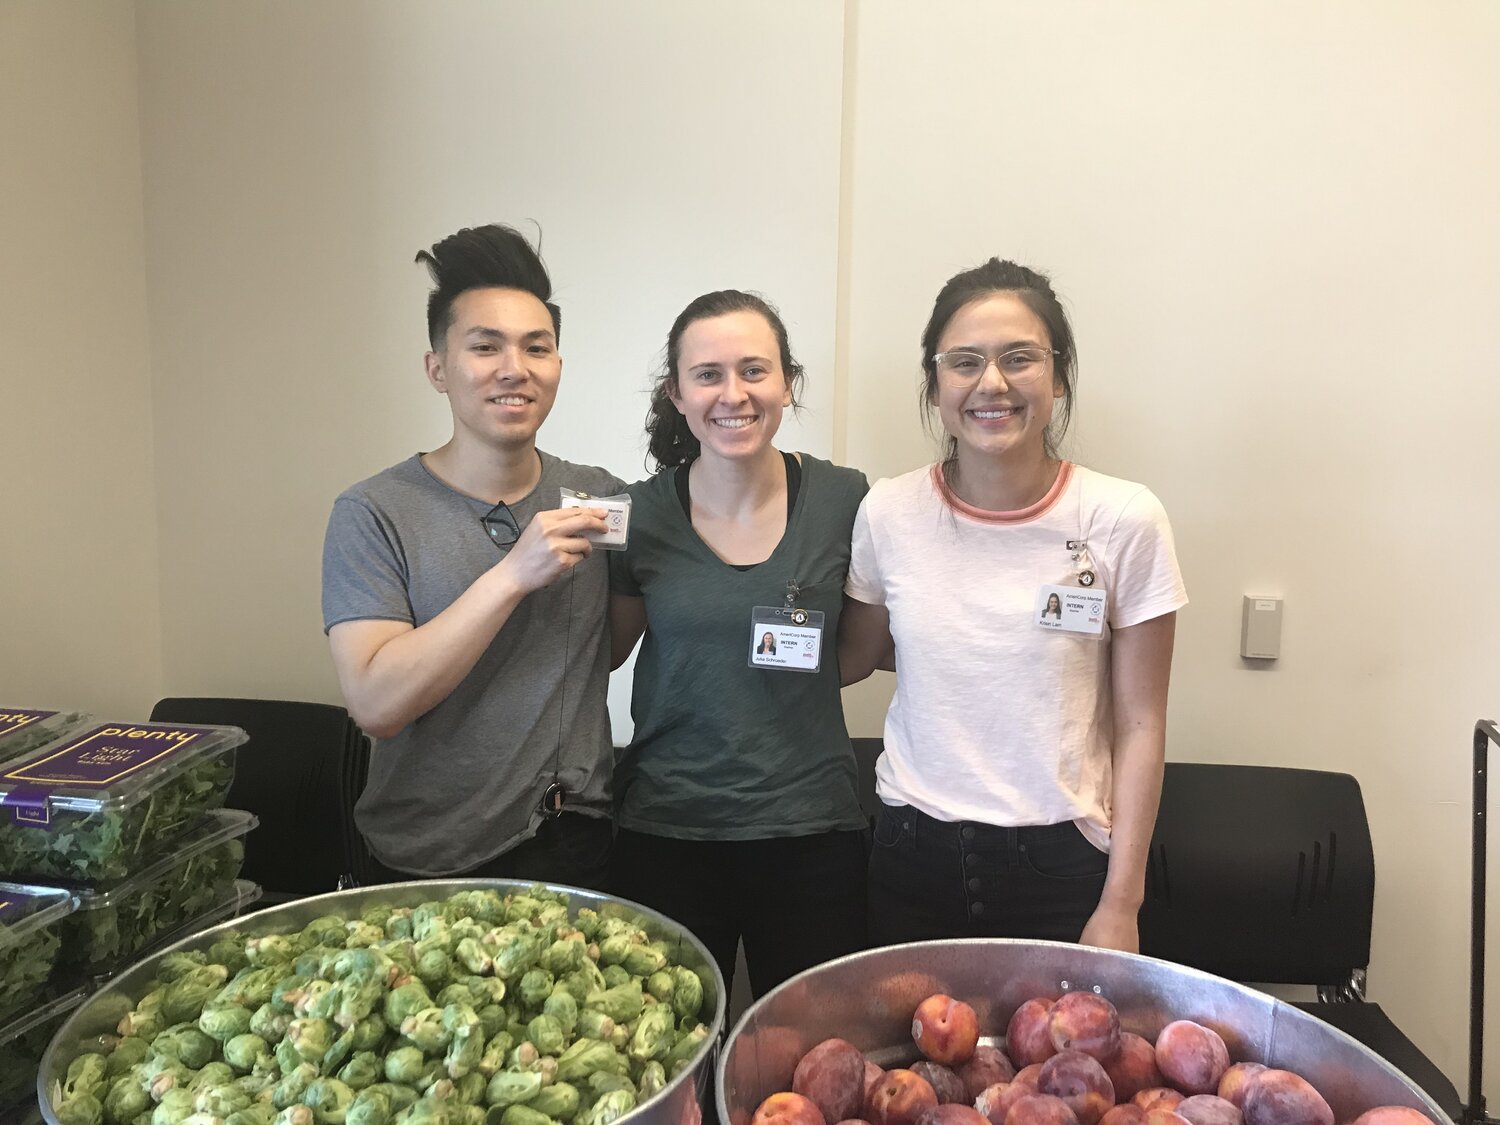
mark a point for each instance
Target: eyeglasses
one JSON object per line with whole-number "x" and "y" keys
{"x": 1016, "y": 366}
{"x": 501, "y": 526}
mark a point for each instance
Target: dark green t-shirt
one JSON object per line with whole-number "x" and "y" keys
{"x": 722, "y": 750}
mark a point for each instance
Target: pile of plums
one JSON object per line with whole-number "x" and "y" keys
{"x": 1066, "y": 1062}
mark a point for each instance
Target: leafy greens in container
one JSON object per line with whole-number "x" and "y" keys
{"x": 111, "y": 927}
{"x": 30, "y": 921}
{"x": 89, "y": 808}
{"x": 23, "y": 729}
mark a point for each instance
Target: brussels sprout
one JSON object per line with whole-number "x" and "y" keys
{"x": 585, "y": 1057}
{"x": 271, "y": 949}
{"x": 211, "y": 1075}
{"x": 257, "y": 1114}
{"x": 470, "y": 1088}
{"x": 125, "y": 1100}
{"x": 493, "y": 1018}
{"x": 614, "y": 976}
{"x": 623, "y": 1004}
{"x": 223, "y": 1024}
{"x": 512, "y": 1087}
{"x": 175, "y": 965}
{"x": 329, "y": 1099}
{"x": 660, "y": 984}
{"x": 404, "y": 1065}
{"x": 434, "y": 967}
{"x": 686, "y": 1046}
{"x": 362, "y": 1071}
{"x": 398, "y": 926}
{"x": 643, "y": 960}
{"x": 287, "y": 1058}
{"x": 197, "y": 1118}
{"x": 334, "y": 1057}
{"x": 369, "y": 1032}
{"x": 534, "y": 988}
{"x": 288, "y": 1091}
{"x": 329, "y": 929}
{"x": 163, "y": 1079}
{"x": 144, "y": 1023}
{"x": 185, "y": 1043}
{"x": 310, "y": 1038}
{"x": 607, "y": 1108}
{"x": 402, "y": 1097}
{"x": 655, "y": 1034}
{"x": 518, "y": 956}
{"x": 221, "y": 1101}
{"x": 316, "y": 1001}
{"x": 612, "y": 949}
{"x": 471, "y": 955}
{"x": 687, "y": 995}
{"x": 594, "y": 1024}
{"x": 523, "y": 1057}
{"x": 86, "y": 1075}
{"x": 268, "y": 1023}
{"x": 404, "y": 1002}
{"x": 249, "y": 988}
{"x": 465, "y": 1050}
{"x": 294, "y": 1115}
{"x": 547, "y": 1034}
{"x": 583, "y": 980}
{"x": 564, "y": 955}
{"x": 559, "y": 1101}
{"x": 174, "y": 1107}
{"x": 81, "y": 1109}
{"x": 288, "y": 990}
{"x": 370, "y": 1107}
{"x": 248, "y": 1052}
{"x": 129, "y": 1051}
{"x": 425, "y": 1029}
{"x": 364, "y": 934}
{"x": 652, "y": 1081}
{"x": 229, "y": 951}
{"x": 561, "y": 1006}
{"x": 523, "y": 1115}
{"x": 185, "y": 997}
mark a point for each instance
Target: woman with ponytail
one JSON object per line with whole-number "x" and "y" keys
{"x": 736, "y": 801}
{"x": 1027, "y": 606}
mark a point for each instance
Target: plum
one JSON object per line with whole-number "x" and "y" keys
{"x": 1236, "y": 1079}
{"x": 1084, "y": 1021}
{"x": 1191, "y": 1057}
{"x": 945, "y": 1030}
{"x": 787, "y": 1108}
{"x": 948, "y": 1086}
{"x": 1209, "y": 1109}
{"x": 1027, "y": 1039}
{"x": 994, "y": 1102}
{"x": 1133, "y": 1067}
{"x": 899, "y": 1098}
{"x": 987, "y": 1067}
{"x": 1040, "y": 1109}
{"x": 1079, "y": 1080}
{"x": 1279, "y": 1097}
{"x": 832, "y": 1077}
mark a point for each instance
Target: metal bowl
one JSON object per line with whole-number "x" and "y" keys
{"x": 868, "y": 998}
{"x": 678, "y": 1104}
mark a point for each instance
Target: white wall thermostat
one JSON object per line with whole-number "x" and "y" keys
{"x": 1260, "y": 628}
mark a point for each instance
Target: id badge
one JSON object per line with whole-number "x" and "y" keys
{"x": 787, "y": 639}
{"x": 616, "y": 517}
{"x": 1071, "y": 609}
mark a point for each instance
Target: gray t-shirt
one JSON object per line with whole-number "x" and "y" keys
{"x": 463, "y": 783}
{"x": 722, "y": 750}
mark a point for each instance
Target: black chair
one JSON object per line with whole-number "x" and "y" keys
{"x": 1267, "y": 874}
{"x": 300, "y": 773}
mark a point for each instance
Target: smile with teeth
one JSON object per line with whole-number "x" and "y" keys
{"x": 995, "y": 412}
{"x": 732, "y": 423}
{"x": 510, "y": 400}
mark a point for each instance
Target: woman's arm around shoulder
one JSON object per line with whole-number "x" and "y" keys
{"x": 865, "y": 642}
{"x": 627, "y": 621}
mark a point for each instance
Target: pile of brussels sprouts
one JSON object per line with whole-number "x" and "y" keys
{"x": 477, "y": 1010}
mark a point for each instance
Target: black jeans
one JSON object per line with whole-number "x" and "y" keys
{"x": 573, "y": 849}
{"x": 795, "y": 900}
{"x": 939, "y": 879}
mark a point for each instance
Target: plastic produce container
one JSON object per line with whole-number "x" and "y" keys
{"x": 23, "y": 1042}
{"x": 90, "y": 807}
{"x": 111, "y": 927}
{"x": 23, "y": 729}
{"x": 31, "y": 920}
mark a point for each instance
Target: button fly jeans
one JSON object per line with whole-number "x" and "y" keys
{"x": 938, "y": 879}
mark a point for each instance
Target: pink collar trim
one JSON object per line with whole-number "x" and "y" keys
{"x": 1020, "y": 515}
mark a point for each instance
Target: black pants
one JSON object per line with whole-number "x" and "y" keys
{"x": 939, "y": 879}
{"x": 796, "y": 900}
{"x": 573, "y": 849}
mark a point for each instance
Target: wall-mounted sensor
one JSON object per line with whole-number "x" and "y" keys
{"x": 1260, "y": 628}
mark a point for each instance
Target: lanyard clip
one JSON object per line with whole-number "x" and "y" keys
{"x": 792, "y": 590}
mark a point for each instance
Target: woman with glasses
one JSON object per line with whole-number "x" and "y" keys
{"x": 736, "y": 799}
{"x": 1027, "y": 606}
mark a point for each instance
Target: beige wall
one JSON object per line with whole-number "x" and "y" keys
{"x": 1273, "y": 223}
{"x": 78, "y": 568}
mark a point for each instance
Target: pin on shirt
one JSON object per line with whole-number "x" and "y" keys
{"x": 1078, "y": 551}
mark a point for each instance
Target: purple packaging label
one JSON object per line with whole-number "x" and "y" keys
{"x": 103, "y": 756}
{"x": 15, "y": 905}
{"x": 28, "y": 807}
{"x": 12, "y": 720}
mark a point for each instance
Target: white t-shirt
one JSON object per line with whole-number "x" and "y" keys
{"x": 997, "y": 719}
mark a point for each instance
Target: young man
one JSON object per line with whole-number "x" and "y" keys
{"x": 465, "y": 608}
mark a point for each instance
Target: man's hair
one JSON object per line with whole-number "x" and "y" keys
{"x": 487, "y": 257}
